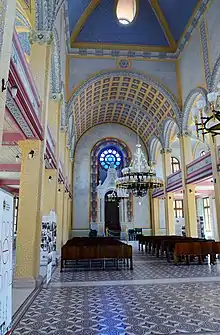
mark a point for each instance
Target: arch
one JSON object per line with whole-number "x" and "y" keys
{"x": 135, "y": 74}
{"x": 55, "y": 78}
{"x": 215, "y": 77}
{"x": 188, "y": 105}
{"x": 133, "y": 99}
{"x": 168, "y": 126}
{"x": 154, "y": 145}
{"x": 94, "y": 168}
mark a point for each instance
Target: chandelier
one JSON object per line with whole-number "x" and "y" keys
{"x": 139, "y": 177}
{"x": 210, "y": 122}
{"x": 126, "y": 11}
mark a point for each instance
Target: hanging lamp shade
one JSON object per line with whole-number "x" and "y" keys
{"x": 126, "y": 11}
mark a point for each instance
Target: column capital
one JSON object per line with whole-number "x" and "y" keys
{"x": 58, "y": 97}
{"x": 165, "y": 151}
{"x": 152, "y": 163}
{"x": 41, "y": 37}
{"x": 184, "y": 133}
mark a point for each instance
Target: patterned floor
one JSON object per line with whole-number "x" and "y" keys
{"x": 174, "y": 308}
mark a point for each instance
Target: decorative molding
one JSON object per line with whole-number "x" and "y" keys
{"x": 3, "y": 8}
{"x": 56, "y": 96}
{"x": 165, "y": 151}
{"x": 17, "y": 115}
{"x": 45, "y": 14}
{"x": 40, "y": 37}
{"x": 215, "y": 77}
{"x": 123, "y": 63}
{"x": 56, "y": 82}
{"x": 185, "y": 133}
{"x": 205, "y": 52}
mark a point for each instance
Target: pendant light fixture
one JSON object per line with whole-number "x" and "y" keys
{"x": 126, "y": 11}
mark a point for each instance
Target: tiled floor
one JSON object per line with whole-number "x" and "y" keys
{"x": 156, "y": 298}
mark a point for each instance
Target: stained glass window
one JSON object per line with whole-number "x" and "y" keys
{"x": 110, "y": 156}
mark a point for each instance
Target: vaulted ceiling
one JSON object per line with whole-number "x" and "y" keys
{"x": 125, "y": 99}
{"x": 159, "y": 24}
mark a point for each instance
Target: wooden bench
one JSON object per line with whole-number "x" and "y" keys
{"x": 100, "y": 248}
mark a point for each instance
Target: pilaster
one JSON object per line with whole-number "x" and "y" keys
{"x": 189, "y": 199}
{"x": 50, "y": 190}
{"x": 65, "y": 218}
{"x": 29, "y": 214}
{"x": 59, "y": 212}
{"x": 216, "y": 179}
{"x": 168, "y": 197}
{"x": 155, "y": 216}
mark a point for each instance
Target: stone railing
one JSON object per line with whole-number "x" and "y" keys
{"x": 25, "y": 77}
{"x": 199, "y": 169}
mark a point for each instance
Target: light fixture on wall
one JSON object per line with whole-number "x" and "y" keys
{"x": 126, "y": 11}
{"x": 139, "y": 177}
{"x": 17, "y": 158}
{"x": 59, "y": 190}
{"x": 209, "y": 124}
{"x": 50, "y": 179}
{"x": 14, "y": 88}
{"x": 31, "y": 154}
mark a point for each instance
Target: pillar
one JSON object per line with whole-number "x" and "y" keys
{"x": 189, "y": 199}
{"x": 32, "y": 170}
{"x": 155, "y": 216}
{"x": 168, "y": 197}
{"x": 70, "y": 214}
{"x": 216, "y": 180}
{"x": 59, "y": 212}
{"x": 50, "y": 190}
{"x": 65, "y": 217}
{"x": 7, "y": 19}
{"x": 29, "y": 214}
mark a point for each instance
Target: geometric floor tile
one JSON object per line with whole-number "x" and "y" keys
{"x": 176, "y": 308}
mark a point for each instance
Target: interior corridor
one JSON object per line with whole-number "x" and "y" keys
{"x": 154, "y": 298}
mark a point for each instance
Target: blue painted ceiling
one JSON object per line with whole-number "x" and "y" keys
{"x": 101, "y": 26}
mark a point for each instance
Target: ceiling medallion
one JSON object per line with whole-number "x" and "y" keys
{"x": 139, "y": 177}
{"x": 126, "y": 11}
{"x": 123, "y": 63}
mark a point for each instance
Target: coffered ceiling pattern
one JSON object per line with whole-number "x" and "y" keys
{"x": 122, "y": 99}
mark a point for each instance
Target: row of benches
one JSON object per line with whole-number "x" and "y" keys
{"x": 98, "y": 248}
{"x": 179, "y": 248}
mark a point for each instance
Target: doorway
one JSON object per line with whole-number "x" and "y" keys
{"x": 111, "y": 214}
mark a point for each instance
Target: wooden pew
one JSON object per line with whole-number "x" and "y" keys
{"x": 85, "y": 248}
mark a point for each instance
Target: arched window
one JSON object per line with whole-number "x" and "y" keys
{"x": 110, "y": 156}
{"x": 202, "y": 153}
{"x": 175, "y": 164}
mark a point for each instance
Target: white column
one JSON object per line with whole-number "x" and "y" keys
{"x": 126, "y": 210}
{"x": 121, "y": 211}
{"x": 213, "y": 217}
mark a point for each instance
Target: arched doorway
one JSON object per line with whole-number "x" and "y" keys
{"x": 112, "y": 221}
